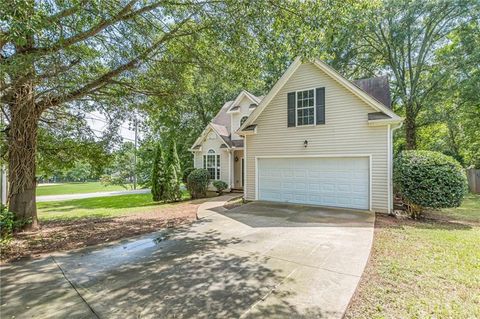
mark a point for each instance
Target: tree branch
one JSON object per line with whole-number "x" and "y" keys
{"x": 62, "y": 44}
{"x": 67, "y": 12}
{"x": 107, "y": 77}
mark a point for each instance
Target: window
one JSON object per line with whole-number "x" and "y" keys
{"x": 211, "y": 162}
{"x": 305, "y": 107}
{"x": 243, "y": 119}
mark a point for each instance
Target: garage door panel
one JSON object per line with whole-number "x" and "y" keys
{"x": 338, "y": 182}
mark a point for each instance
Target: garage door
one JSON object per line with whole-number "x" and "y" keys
{"x": 336, "y": 182}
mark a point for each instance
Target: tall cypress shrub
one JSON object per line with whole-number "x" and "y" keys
{"x": 158, "y": 175}
{"x": 176, "y": 178}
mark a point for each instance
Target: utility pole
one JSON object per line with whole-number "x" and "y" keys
{"x": 135, "y": 153}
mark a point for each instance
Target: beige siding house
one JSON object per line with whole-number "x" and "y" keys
{"x": 315, "y": 138}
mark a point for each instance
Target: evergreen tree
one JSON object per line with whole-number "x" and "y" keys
{"x": 176, "y": 171}
{"x": 158, "y": 175}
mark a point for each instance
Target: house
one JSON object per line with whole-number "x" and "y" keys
{"x": 316, "y": 138}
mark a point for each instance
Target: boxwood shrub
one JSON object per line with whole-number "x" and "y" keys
{"x": 220, "y": 186}
{"x": 197, "y": 182}
{"x": 429, "y": 179}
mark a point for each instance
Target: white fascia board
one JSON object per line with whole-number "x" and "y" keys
{"x": 202, "y": 137}
{"x": 219, "y": 136}
{"x": 385, "y": 122}
{"x": 354, "y": 89}
{"x": 271, "y": 94}
{"x": 239, "y": 97}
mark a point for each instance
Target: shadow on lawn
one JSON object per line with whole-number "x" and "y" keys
{"x": 183, "y": 274}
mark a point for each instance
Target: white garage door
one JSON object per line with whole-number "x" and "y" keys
{"x": 337, "y": 182}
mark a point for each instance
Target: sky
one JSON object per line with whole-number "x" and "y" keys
{"x": 98, "y": 124}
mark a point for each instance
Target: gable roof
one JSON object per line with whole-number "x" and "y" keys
{"x": 222, "y": 118}
{"x": 238, "y": 99}
{"x": 355, "y": 89}
{"x": 221, "y": 123}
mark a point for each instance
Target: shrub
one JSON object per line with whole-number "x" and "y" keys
{"x": 220, "y": 186}
{"x": 158, "y": 175}
{"x": 173, "y": 173}
{"x": 7, "y": 224}
{"x": 197, "y": 182}
{"x": 186, "y": 172}
{"x": 428, "y": 179}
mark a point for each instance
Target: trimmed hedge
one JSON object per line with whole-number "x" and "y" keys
{"x": 429, "y": 179}
{"x": 197, "y": 182}
{"x": 220, "y": 186}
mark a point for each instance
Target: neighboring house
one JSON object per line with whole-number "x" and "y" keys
{"x": 315, "y": 138}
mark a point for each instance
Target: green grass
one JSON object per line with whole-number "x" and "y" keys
{"x": 76, "y": 188}
{"x": 424, "y": 269}
{"x": 98, "y": 207}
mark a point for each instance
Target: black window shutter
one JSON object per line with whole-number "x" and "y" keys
{"x": 291, "y": 109}
{"x": 218, "y": 166}
{"x": 204, "y": 161}
{"x": 320, "y": 92}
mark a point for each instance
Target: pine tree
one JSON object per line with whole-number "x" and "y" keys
{"x": 158, "y": 175}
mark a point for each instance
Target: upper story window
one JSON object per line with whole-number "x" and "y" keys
{"x": 211, "y": 162}
{"x": 243, "y": 119}
{"x": 305, "y": 103}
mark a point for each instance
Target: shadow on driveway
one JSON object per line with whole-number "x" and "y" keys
{"x": 171, "y": 274}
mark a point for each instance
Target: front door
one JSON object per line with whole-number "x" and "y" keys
{"x": 238, "y": 164}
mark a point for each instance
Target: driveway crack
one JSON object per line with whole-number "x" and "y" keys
{"x": 75, "y": 288}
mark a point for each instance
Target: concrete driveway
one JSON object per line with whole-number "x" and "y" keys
{"x": 260, "y": 260}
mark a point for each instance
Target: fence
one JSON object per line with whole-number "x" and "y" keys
{"x": 473, "y": 176}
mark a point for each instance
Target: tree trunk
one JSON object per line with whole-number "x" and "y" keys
{"x": 410, "y": 130}
{"x": 22, "y": 147}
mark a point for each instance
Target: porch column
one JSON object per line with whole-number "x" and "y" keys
{"x": 230, "y": 175}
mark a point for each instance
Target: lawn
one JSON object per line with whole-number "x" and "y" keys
{"x": 76, "y": 188}
{"x": 78, "y": 223}
{"x": 423, "y": 269}
{"x": 99, "y": 207}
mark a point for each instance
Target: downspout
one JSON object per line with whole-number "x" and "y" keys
{"x": 390, "y": 170}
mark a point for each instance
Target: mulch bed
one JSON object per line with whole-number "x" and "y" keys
{"x": 73, "y": 234}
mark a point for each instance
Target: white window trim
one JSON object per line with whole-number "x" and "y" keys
{"x": 314, "y": 107}
{"x": 216, "y": 165}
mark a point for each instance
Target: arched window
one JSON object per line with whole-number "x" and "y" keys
{"x": 243, "y": 119}
{"x": 211, "y": 162}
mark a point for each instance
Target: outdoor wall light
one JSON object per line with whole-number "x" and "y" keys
{"x": 305, "y": 143}
{"x": 236, "y": 158}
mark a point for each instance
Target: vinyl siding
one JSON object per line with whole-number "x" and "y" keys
{"x": 345, "y": 132}
{"x": 215, "y": 145}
